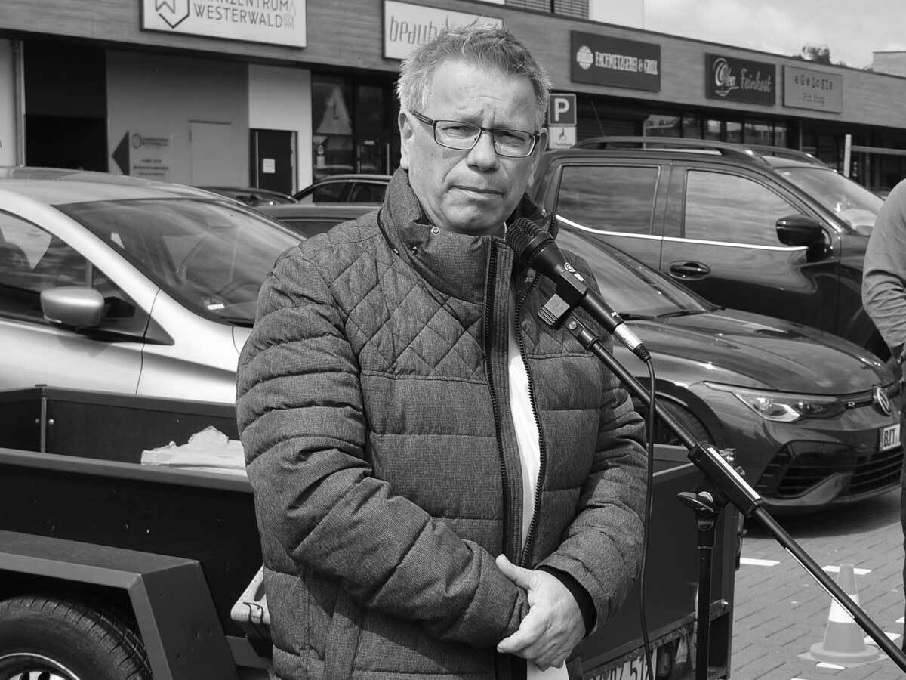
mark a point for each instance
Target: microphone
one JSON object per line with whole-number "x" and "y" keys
{"x": 536, "y": 248}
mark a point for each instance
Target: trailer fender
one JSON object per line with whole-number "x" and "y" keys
{"x": 168, "y": 595}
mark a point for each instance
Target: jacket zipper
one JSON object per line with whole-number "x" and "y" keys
{"x": 542, "y": 446}
{"x": 495, "y": 405}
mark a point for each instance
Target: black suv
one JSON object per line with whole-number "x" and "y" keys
{"x": 760, "y": 232}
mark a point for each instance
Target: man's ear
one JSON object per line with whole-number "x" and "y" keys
{"x": 406, "y": 134}
{"x": 539, "y": 149}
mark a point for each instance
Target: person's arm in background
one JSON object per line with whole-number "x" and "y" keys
{"x": 302, "y": 425}
{"x": 884, "y": 276}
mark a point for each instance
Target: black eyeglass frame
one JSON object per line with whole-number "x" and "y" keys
{"x": 534, "y": 136}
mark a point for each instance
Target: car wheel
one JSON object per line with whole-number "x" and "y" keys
{"x": 663, "y": 434}
{"x": 53, "y": 639}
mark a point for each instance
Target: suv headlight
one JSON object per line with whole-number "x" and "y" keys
{"x": 783, "y": 407}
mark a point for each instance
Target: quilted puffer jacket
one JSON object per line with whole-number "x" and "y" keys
{"x": 373, "y": 408}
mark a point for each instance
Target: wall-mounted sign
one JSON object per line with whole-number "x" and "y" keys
{"x": 278, "y": 22}
{"x": 740, "y": 80}
{"x": 809, "y": 89}
{"x": 602, "y": 60}
{"x": 141, "y": 154}
{"x": 408, "y": 26}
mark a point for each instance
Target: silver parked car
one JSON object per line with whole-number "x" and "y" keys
{"x": 124, "y": 285}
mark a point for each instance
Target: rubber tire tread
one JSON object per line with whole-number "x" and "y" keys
{"x": 688, "y": 420}
{"x": 92, "y": 641}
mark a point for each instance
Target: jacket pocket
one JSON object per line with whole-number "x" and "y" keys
{"x": 321, "y": 597}
{"x": 290, "y": 618}
{"x": 342, "y": 633}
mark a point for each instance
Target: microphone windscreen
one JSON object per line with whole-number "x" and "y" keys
{"x": 525, "y": 237}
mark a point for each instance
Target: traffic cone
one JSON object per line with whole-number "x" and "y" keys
{"x": 844, "y": 643}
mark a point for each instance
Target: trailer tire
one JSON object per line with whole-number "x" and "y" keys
{"x": 67, "y": 640}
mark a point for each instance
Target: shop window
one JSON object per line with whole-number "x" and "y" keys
{"x": 733, "y": 132}
{"x": 712, "y": 129}
{"x": 692, "y": 125}
{"x": 372, "y": 153}
{"x": 332, "y": 143}
{"x": 663, "y": 126}
{"x": 758, "y": 132}
{"x": 781, "y": 135}
{"x": 354, "y": 126}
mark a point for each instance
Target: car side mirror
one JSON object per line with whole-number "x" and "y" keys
{"x": 73, "y": 306}
{"x": 800, "y": 230}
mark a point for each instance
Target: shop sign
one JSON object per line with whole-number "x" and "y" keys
{"x": 408, "y": 26}
{"x": 808, "y": 89}
{"x": 276, "y": 22}
{"x": 740, "y": 80}
{"x": 602, "y": 60}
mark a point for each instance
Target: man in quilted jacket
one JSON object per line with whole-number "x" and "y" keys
{"x": 445, "y": 486}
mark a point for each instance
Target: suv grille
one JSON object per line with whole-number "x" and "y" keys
{"x": 790, "y": 476}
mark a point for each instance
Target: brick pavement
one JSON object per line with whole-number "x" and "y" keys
{"x": 781, "y": 611}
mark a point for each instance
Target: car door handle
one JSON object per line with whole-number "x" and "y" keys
{"x": 689, "y": 270}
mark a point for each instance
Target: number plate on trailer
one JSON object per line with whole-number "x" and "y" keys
{"x": 672, "y": 660}
{"x": 890, "y": 437}
{"x": 631, "y": 670}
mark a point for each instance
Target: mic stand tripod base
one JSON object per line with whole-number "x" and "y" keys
{"x": 707, "y": 508}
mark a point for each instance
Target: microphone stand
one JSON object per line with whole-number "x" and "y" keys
{"x": 724, "y": 485}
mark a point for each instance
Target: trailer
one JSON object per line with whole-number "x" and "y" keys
{"x": 112, "y": 569}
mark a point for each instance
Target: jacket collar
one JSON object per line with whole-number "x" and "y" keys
{"x": 453, "y": 263}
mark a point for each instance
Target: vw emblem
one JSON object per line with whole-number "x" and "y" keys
{"x": 882, "y": 400}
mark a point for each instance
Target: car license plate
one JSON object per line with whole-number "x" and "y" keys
{"x": 631, "y": 670}
{"x": 890, "y": 437}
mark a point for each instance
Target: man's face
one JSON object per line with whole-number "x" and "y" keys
{"x": 470, "y": 192}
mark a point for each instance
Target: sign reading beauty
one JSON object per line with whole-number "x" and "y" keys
{"x": 808, "y": 89}
{"x": 408, "y": 26}
{"x": 602, "y": 60}
{"x": 277, "y": 22}
{"x": 740, "y": 80}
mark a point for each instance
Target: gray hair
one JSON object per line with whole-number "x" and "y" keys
{"x": 481, "y": 45}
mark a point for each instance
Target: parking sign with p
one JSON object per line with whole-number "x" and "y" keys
{"x": 562, "y": 109}
{"x": 561, "y": 121}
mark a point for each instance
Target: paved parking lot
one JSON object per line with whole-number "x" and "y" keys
{"x": 781, "y": 611}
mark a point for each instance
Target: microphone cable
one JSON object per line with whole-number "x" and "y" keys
{"x": 649, "y": 502}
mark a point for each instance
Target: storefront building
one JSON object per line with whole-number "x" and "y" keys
{"x": 277, "y": 93}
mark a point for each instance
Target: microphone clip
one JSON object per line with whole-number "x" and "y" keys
{"x": 554, "y": 311}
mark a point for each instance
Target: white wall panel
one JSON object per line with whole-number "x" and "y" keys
{"x": 280, "y": 99}
{"x": 161, "y": 96}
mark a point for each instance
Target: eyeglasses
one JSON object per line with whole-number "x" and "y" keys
{"x": 455, "y": 134}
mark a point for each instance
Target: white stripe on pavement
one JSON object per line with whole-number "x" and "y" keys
{"x": 752, "y": 562}
{"x": 836, "y": 570}
{"x": 871, "y": 641}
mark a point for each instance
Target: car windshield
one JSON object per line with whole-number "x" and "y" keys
{"x": 632, "y": 289}
{"x": 852, "y": 203}
{"x": 211, "y": 256}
